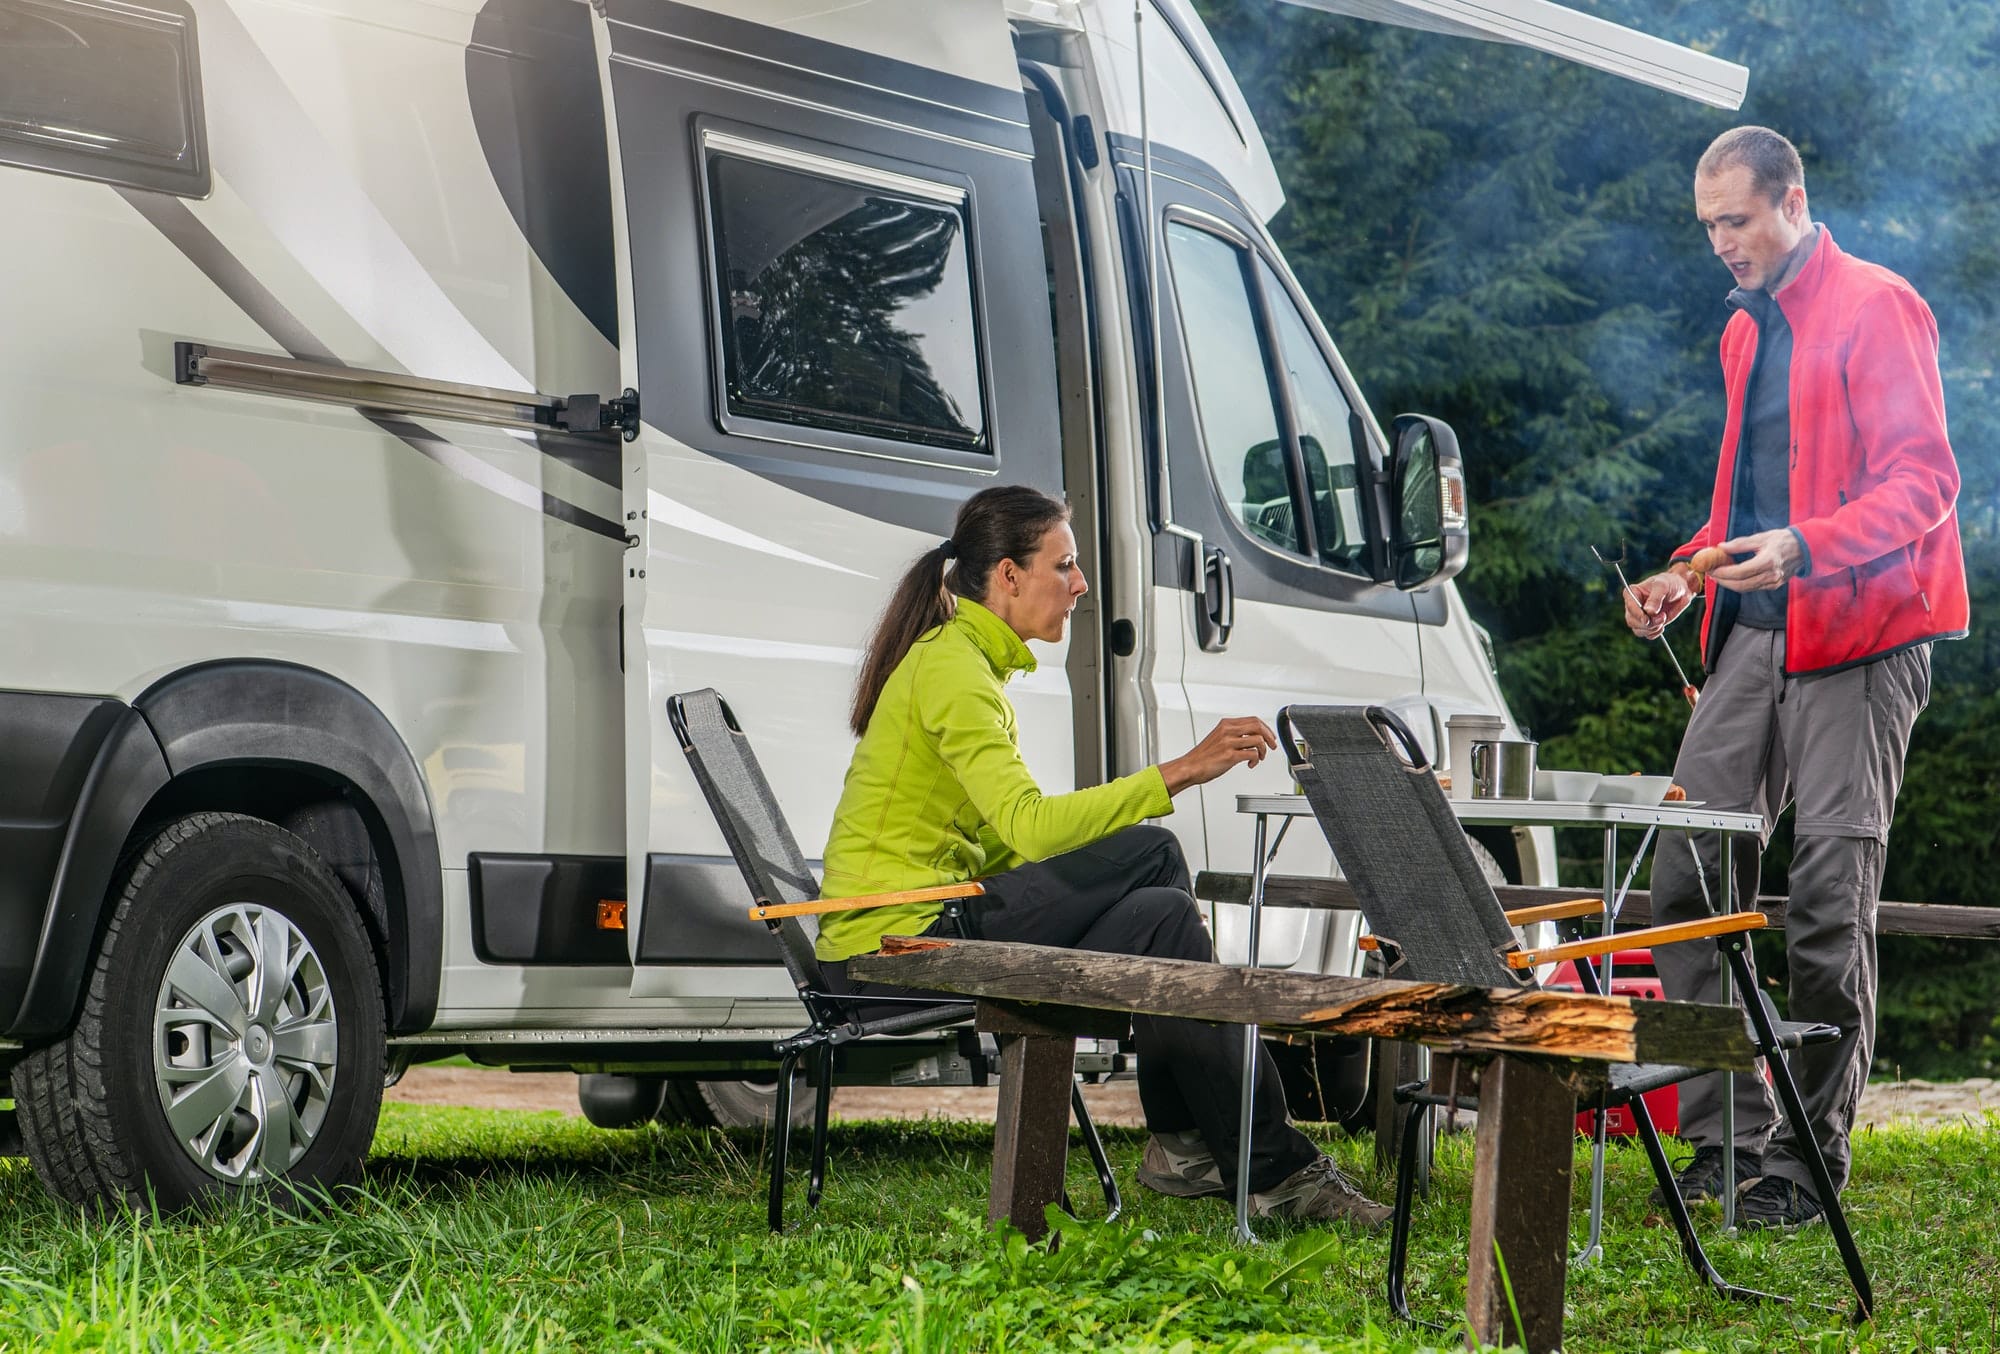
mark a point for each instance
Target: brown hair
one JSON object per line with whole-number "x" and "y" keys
{"x": 1006, "y": 521}
{"x": 1774, "y": 164}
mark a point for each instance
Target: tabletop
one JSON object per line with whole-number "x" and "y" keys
{"x": 1547, "y": 812}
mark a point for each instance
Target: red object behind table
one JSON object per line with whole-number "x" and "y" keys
{"x": 1631, "y": 976}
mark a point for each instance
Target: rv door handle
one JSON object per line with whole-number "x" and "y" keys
{"x": 1215, "y": 608}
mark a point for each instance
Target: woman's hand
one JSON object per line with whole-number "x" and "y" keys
{"x": 1230, "y": 743}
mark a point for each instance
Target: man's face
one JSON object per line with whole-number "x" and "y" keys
{"x": 1752, "y": 235}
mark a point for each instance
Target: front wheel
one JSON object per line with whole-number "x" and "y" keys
{"x": 232, "y": 1035}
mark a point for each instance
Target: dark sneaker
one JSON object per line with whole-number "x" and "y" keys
{"x": 1778, "y": 1205}
{"x": 1318, "y": 1191}
{"x": 1701, "y": 1178}
{"x": 1180, "y": 1164}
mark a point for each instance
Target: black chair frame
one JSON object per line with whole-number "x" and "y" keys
{"x": 780, "y": 880}
{"x": 1624, "y": 1086}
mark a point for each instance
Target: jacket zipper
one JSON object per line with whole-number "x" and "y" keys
{"x": 1853, "y": 578}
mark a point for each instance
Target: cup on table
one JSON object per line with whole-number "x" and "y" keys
{"x": 1502, "y": 768}
{"x": 1461, "y": 732}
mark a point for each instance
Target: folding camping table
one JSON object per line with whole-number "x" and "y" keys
{"x": 1674, "y": 817}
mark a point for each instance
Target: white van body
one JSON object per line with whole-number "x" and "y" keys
{"x": 436, "y": 641}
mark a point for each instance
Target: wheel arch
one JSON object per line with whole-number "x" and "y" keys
{"x": 278, "y": 741}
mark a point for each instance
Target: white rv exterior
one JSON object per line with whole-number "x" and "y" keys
{"x": 286, "y": 536}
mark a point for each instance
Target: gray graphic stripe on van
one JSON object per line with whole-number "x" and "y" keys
{"x": 173, "y": 219}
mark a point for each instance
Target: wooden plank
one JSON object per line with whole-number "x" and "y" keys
{"x": 1031, "y": 1130}
{"x": 1944, "y": 920}
{"x": 1519, "y": 1255}
{"x": 1445, "y": 1016}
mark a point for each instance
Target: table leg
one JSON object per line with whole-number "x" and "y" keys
{"x": 1250, "y": 1035}
{"x": 1520, "y": 1206}
{"x": 1593, "y": 1249}
{"x": 1727, "y": 891}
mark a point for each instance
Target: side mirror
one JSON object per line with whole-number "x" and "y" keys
{"x": 1428, "y": 530}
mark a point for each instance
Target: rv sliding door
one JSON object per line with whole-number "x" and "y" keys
{"x": 833, "y": 312}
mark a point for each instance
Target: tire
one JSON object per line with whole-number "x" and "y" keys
{"x": 274, "y": 1088}
{"x": 616, "y": 1100}
{"x": 733, "y": 1104}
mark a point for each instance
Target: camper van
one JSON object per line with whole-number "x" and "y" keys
{"x": 406, "y": 397}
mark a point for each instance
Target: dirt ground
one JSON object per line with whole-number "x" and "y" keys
{"x": 1115, "y": 1103}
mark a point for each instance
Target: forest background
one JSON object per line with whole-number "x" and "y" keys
{"x": 1509, "y": 242}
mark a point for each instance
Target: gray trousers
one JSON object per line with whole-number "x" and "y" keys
{"x": 1832, "y": 745}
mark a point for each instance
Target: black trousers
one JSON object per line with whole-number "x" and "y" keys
{"x": 1130, "y": 894}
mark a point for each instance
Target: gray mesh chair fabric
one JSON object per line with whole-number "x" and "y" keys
{"x": 1401, "y": 849}
{"x": 1427, "y": 901}
{"x": 747, "y": 812}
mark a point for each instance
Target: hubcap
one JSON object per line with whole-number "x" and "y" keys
{"x": 244, "y": 1043}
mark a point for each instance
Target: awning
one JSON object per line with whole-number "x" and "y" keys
{"x": 1564, "y": 32}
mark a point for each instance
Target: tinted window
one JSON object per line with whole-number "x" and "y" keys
{"x": 846, "y": 305}
{"x": 1232, "y": 386}
{"x": 103, "y": 90}
{"x": 1326, "y": 430}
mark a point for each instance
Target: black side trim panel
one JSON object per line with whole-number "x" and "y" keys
{"x": 259, "y": 712}
{"x": 543, "y": 909}
{"x": 698, "y": 912}
{"x": 58, "y": 752}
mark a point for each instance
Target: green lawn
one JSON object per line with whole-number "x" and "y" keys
{"x": 495, "y": 1230}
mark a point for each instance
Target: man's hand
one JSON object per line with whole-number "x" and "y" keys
{"x": 1774, "y": 557}
{"x": 1652, "y": 603}
{"x": 1229, "y": 743}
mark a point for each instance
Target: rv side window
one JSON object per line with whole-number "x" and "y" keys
{"x": 847, "y": 303}
{"x": 101, "y": 89}
{"x": 1327, "y": 428}
{"x": 1232, "y": 384}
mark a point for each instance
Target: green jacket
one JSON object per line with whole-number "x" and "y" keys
{"x": 938, "y": 794}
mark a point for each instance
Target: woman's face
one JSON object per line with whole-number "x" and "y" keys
{"x": 1035, "y": 596}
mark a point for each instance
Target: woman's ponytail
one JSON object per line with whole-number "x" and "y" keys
{"x": 1007, "y": 521}
{"x": 921, "y": 602}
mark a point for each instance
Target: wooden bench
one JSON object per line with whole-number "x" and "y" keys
{"x": 1541, "y": 1050}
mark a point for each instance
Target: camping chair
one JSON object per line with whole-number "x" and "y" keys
{"x": 786, "y": 900}
{"x": 1436, "y": 919}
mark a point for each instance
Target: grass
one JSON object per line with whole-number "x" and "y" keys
{"x": 499, "y": 1230}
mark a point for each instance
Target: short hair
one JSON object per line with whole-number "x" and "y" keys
{"x": 1774, "y": 164}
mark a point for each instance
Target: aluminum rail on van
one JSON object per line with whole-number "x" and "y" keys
{"x": 390, "y": 392}
{"x": 1561, "y": 31}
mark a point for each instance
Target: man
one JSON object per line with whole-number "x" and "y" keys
{"x": 1834, "y": 497}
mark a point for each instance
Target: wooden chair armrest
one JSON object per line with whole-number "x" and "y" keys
{"x": 1527, "y": 916}
{"x": 939, "y": 893}
{"x": 1633, "y": 940}
{"x": 1557, "y": 911}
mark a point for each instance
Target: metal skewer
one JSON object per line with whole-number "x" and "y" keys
{"x": 1687, "y": 687}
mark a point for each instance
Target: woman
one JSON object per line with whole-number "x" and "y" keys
{"x": 938, "y": 794}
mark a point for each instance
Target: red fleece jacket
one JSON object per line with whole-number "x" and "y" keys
{"x": 1873, "y": 481}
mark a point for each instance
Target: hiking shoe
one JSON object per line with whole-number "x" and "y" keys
{"x": 1776, "y": 1204}
{"x": 1701, "y": 1178}
{"x": 1317, "y": 1191}
{"x": 1181, "y": 1165}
